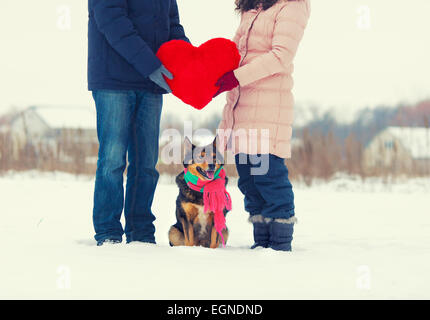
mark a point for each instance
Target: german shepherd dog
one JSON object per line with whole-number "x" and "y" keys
{"x": 194, "y": 227}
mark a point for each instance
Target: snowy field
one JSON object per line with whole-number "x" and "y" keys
{"x": 360, "y": 241}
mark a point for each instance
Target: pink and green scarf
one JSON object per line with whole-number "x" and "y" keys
{"x": 215, "y": 196}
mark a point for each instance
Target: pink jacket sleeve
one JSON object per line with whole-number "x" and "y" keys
{"x": 289, "y": 28}
{"x": 236, "y": 38}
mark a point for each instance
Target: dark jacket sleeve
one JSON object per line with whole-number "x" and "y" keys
{"x": 176, "y": 29}
{"x": 113, "y": 22}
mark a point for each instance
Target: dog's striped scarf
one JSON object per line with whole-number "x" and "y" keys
{"x": 215, "y": 196}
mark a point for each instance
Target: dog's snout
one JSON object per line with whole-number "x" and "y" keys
{"x": 211, "y": 167}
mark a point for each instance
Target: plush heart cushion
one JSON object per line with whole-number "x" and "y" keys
{"x": 197, "y": 69}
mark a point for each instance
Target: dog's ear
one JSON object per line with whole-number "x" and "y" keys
{"x": 214, "y": 143}
{"x": 188, "y": 151}
{"x": 188, "y": 145}
{"x": 216, "y": 152}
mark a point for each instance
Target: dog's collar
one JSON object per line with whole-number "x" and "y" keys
{"x": 197, "y": 184}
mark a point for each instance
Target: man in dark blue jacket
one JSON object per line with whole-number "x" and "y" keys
{"x": 126, "y": 79}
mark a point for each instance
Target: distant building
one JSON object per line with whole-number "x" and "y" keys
{"x": 49, "y": 127}
{"x": 399, "y": 148}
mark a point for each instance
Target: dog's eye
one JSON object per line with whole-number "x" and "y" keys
{"x": 198, "y": 157}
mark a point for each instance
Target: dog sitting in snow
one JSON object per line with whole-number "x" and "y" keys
{"x": 203, "y": 202}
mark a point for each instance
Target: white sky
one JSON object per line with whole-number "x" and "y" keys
{"x": 338, "y": 63}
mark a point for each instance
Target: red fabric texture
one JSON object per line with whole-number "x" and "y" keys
{"x": 216, "y": 199}
{"x": 226, "y": 83}
{"x": 196, "y": 70}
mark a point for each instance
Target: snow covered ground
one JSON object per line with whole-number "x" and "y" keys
{"x": 352, "y": 241}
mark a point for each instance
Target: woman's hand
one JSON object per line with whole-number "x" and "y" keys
{"x": 226, "y": 83}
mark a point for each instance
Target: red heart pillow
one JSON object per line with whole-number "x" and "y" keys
{"x": 197, "y": 69}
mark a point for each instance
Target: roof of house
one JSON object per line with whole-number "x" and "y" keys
{"x": 67, "y": 117}
{"x": 414, "y": 139}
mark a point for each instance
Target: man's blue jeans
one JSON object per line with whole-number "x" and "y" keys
{"x": 126, "y": 121}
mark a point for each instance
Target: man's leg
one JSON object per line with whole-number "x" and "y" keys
{"x": 114, "y": 112}
{"x": 142, "y": 177}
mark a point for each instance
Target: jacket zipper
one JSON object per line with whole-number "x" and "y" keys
{"x": 243, "y": 59}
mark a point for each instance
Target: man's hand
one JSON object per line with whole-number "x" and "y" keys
{"x": 157, "y": 77}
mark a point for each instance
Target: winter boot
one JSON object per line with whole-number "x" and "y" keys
{"x": 261, "y": 231}
{"x": 108, "y": 241}
{"x": 281, "y": 233}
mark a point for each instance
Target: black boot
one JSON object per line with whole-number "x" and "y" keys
{"x": 281, "y": 233}
{"x": 261, "y": 231}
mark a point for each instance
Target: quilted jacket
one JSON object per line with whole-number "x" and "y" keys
{"x": 123, "y": 36}
{"x": 260, "y": 110}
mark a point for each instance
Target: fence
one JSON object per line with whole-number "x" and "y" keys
{"x": 317, "y": 155}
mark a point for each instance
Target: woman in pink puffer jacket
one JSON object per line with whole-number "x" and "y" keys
{"x": 257, "y": 120}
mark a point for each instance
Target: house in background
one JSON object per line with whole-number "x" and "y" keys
{"x": 400, "y": 149}
{"x": 51, "y": 127}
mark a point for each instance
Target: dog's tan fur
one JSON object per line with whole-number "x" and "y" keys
{"x": 197, "y": 226}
